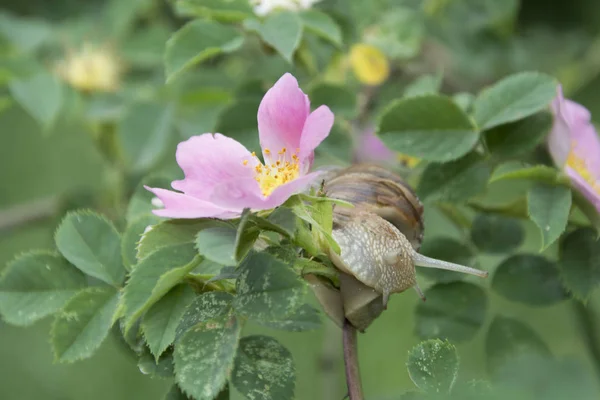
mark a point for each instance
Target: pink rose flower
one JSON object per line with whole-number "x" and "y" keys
{"x": 370, "y": 149}
{"x": 575, "y": 147}
{"x": 222, "y": 177}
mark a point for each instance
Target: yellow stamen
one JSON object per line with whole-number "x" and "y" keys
{"x": 245, "y": 162}
{"x": 271, "y": 175}
{"x": 578, "y": 165}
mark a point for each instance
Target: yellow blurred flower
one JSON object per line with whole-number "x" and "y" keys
{"x": 92, "y": 69}
{"x": 409, "y": 161}
{"x": 370, "y": 65}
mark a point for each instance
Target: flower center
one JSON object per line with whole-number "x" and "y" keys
{"x": 276, "y": 171}
{"x": 579, "y": 166}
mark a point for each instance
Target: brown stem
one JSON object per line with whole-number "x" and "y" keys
{"x": 351, "y": 362}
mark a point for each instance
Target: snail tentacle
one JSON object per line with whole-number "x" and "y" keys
{"x": 423, "y": 261}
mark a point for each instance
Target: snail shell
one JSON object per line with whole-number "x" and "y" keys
{"x": 379, "y": 240}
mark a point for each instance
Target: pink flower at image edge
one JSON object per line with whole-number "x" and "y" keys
{"x": 575, "y": 146}
{"x": 222, "y": 177}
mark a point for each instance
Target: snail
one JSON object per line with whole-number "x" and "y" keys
{"x": 379, "y": 239}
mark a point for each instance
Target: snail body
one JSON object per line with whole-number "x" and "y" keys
{"x": 379, "y": 239}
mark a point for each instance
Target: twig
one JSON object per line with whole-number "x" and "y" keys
{"x": 586, "y": 319}
{"x": 351, "y": 362}
{"x": 23, "y": 214}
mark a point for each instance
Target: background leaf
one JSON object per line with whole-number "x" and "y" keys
{"x": 433, "y": 366}
{"x": 453, "y": 311}
{"x": 520, "y": 137}
{"x": 507, "y": 338}
{"x": 282, "y": 30}
{"x": 132, "y": 236}
{"x": 430, "y": 127}
{"x": 513, "y": 98}
{"x": 83, "y": 324}
{"x": 35, "y": 285}
{"x": 92, "y": 244}
{"x": 549, "y": 207}
{"x": 41, "y": 95}
{"x": 144, "y": 134}
{"x": 454, "y": 181}
{"x": 580, "y": 262}
{"x": 496, "y": 234}
{"x": 529, "y": 279}
{"x": 197, "y": 41}
{"x": 264, "y": 369}
{"x": 322, "y": 25}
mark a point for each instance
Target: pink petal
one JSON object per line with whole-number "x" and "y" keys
{"x": 208, "y": 160}
{"x": 586, "y": 146}
{"x": 316, "y": 129}
{"x": 281, "y": 115}
{"x": 559, "y": 139}
{"x": 584, "y": 187}
{"x": 371, "y": 149}
{"x": 241, "y": 194}
{"x": 178, "y": 205}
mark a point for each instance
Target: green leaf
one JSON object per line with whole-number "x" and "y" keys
{"x": 41, "y": 95}
{"x": 508, "y": 338}
{"x": 426, "y": 84}
{"x": 580, "y": 262}
{"x": 26, "y": 34}
{"x": 83, "y": 324}
{"x": 549, "y": 207}
{"x": 447, "y": 249}
{"x": 529, "y": 279}
{"x": 156, "y": 368}
{"x": 264, "y": 369}
{"x": 91, "y": 243}
{"x": 204, "y": 357}
{"x": 141, "y": 200}
{"x": 176, "y": 394}
{"x": 206, "y": 307}
{"x": 154, "y": 276}
{"x": 171, "y": 233}
{"x": 455, "y": 181}
{"x": 144, "y": 134}
{"x": 339, "y": 99}
{"x": 322, "y": 25}
{"x": 519, "y": 170}
{"x": 282, "y": 220}
{"x": 131, "y": 237}
{"x": 218, "y": 244}
{"x": 196, "y": 42}
{"x": 433, "y": 366}
{"x": 228, "y": 10}
{"x": 520, "y": 137}
{"x": 453, "y": 311}
{"x": 513, "y": 98}
{"x": 35, "y": 285}
{"x": 429, "y": 127}
{"x": 305, "y": 318}
{"x": 267, "y": 289}
{"x": 161, "y": 320}
{"x": 496, "y": 233}
{"x": 282, "y": 31}
{"x": 246, "y": 236}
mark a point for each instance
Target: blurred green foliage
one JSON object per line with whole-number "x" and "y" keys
{"x": 62, "y": 155}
